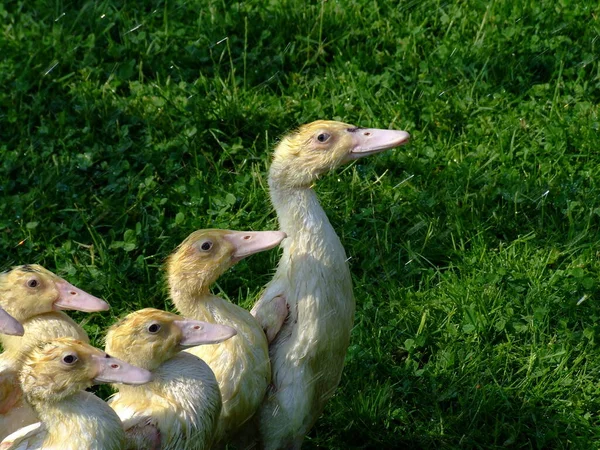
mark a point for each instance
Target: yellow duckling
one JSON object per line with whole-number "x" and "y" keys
{"x": 312, "y": 281}
{"x": 241, "y": 364}
{"x": 34, "y": 296}
{"x": 53, "y": 376}
{"x": 10, "y": 325}
{"x": 180, "y": 407}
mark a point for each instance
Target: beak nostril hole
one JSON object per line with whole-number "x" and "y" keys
{"x": 247, "y": 237}
{"x": 196, "y": 327}
{"x": 73, "y": 293}
{"x": 114, "y": 366}
{"x": 367, "y": 134}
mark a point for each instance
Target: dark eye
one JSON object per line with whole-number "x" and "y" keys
{"x": 206, "y": 246}
{"x": 154, "y": 328}
{"x": 323, "y": 137}
{"x": 69, "y": 359}
{"x": 33, "y": 283}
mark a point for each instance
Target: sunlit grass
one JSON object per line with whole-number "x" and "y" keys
{"x": 124, "y": 126}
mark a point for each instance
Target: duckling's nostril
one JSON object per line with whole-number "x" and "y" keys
{"x": 72, "y": 292}
{"x": 114, "y": 366}
{"x": 247, "y": 237}
{"x": 367, "y": 133}
{"x": 196, "y": 327}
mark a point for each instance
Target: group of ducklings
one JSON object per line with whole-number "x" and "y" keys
{"x": 254, "y": 379}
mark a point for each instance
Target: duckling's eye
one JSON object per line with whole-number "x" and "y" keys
{"x": 33, "y": 283}
{"x": 69, "y": 359}
{"x": 206, "y": 246}
{"x": 154, "y": 328}
{"x": 323, "y": 137}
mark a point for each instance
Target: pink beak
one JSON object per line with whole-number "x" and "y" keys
{"x": 113, "y": 370}
{"x": 10, "y": 325}
{"x": 368, "y": 141}
{"x": 196, "y": 332}
{"x": 74, "y": 298}
{"x": 247, "y": 243}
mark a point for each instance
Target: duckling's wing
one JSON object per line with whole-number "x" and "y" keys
{"x": 30, "y": 437}
{"x": 10, "y": 391}
{"x": 271, "y": 310}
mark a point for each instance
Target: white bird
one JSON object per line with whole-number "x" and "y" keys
{"x": 312, "y": 282}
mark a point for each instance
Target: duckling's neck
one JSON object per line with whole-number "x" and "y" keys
{"x": 199, "y": 305}
{"x": 301, "y": 216}
{"x": 80, "y": 421}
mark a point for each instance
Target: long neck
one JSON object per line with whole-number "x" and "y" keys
{"x": 301, "y": 217}
{"x": 80, "y": 421}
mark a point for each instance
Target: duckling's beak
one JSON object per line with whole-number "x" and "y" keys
{"x": 368, "y": 141}
{"x": 10, "y": 325}
{"x": 113, "y": 370}
{"x": 247, "y": 243}
{"x": 71, "y": 297}
{"x": 196, "y": 332}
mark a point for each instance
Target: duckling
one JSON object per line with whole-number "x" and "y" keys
{"x": 10, "y": 325}
{"x": 312, "y": 282}
{"x": 241, "y": 364}
{"x": 54, "y": 376}
{"x": 180, "y": 407}
{"x": 34, "y": 296}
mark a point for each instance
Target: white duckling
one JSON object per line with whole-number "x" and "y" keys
{"x": 241, "y": 364}
{"x": 312, "y": 281}
{"x": 53, "y": 377}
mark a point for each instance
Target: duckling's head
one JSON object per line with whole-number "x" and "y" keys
{"x": 29, "y": 290}
{"x": 149, "y": 337}
{"x": 10, "y": 325}
{"x": 206, "y": 254}
{"x": 320, "y": 146}
{"x": 62, "y": 367}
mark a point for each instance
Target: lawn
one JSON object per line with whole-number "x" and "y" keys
{"x": 474, "y": 250}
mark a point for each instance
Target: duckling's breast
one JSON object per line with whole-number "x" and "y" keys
{"x": 241, "y": 364}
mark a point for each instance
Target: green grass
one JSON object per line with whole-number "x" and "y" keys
{"x": 474, "y": 250}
